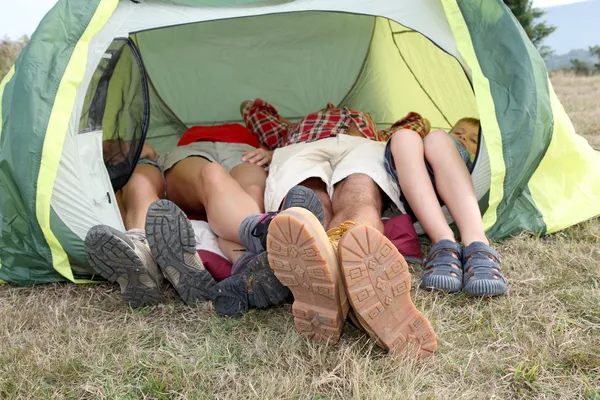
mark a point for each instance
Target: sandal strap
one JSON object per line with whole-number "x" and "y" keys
{"x": 481, "y": 261}
{"x": 446, "y": 248}
{"x": 443, "y": 258}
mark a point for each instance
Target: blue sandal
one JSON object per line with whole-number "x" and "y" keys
{"x": 482, "y": 273}
{"x": 443, "y": 267}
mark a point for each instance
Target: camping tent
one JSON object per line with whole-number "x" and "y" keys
{"x": 100, "y": 73}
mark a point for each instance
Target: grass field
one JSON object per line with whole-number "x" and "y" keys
{"x": 540, "y": 341}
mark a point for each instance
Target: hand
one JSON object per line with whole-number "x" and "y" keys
{"x": 260, "y": 157}
{"x": 149, "y": 153}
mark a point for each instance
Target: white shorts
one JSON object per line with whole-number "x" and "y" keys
{"x": 332, "y": 160}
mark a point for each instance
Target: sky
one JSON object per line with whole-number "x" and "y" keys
{"x": 20, "y": 17}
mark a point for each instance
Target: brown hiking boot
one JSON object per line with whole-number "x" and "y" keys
{"x": 377, "y": 283}
{"x": 303, "y": 259}
{"x": 125, "y": 258}
{"x": 334, "y": 235}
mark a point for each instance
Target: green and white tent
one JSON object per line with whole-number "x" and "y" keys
{"x": 99, "y": 70}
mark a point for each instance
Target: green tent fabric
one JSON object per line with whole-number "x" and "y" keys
{"x": 99, "y": 71}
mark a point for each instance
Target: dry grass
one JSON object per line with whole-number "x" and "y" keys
{"x": 580, "y": 96}
{"x": 540, "y": 341}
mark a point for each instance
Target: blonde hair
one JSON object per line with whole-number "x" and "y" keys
{"x": 468, "y": 120}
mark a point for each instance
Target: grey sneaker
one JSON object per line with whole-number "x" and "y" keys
{"x": 173, "y": 245}
{"x": 124, "y": 258}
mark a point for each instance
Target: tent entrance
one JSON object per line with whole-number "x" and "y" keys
{"x": 199, "y": 73}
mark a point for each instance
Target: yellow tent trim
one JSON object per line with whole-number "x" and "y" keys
{"x": 487, "y": 110}
{"x": 57, "y": 129}
{"x": 570, "y": 167}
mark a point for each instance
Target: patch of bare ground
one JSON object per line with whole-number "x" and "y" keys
{"x": 540, "y": 341}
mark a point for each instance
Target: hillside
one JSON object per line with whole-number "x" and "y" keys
{"x": 564, "y": 60}
{"x": 578, "y": 26}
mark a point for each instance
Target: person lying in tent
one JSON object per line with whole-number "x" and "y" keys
{"x": 375, "y": 280}
{"x": 375, "y": 277}
{"x": 203, "y": 175}
{"x": 338, "y": 153}
{"x": 433, "y": 167}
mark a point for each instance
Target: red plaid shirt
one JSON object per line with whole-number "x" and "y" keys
{"x": 273, "y": 131}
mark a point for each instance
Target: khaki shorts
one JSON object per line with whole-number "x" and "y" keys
{"x": 332, "y": 160}
{"x": 228, "y": 155}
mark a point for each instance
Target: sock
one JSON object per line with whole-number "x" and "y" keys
{"x": 251, "y": 243}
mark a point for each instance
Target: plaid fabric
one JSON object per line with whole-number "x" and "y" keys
{"x": 273, "y": 131}
{"x": 413, "y": 121}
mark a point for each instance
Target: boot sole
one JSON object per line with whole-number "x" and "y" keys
{"x": 302, "y": 258}
{"x": 116, "y": 261}
{"x": 377, "y": 283}
{"x": 173, "y": 245}
{"x": 303, "y": 197}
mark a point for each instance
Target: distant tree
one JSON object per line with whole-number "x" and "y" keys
{"x": 9, "y": 51}
{"x": 595, "y": 50}
{"x": 528, "y": 16}
{"x": 580, "y": 67}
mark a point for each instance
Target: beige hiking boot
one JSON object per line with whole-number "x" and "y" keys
{"x": 125, "y": 258}
{"x": 377, "y": 283}
{"x": 334, "y": 235}
{"x": 303, "y": 259}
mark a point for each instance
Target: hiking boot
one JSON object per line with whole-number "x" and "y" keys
{"x": 255, "y": 287}
{"x": 125, "y": 258}
{"x": 334, "y": 235}
{"x": 254, "y": 229}
{"x": 377, "y": 283}
{"x": 304, "y": 260}
{"x": 173, "y": 245}
{"x": 253, "y": 284}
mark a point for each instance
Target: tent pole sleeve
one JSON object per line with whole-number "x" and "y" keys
{"x": 487, "y": 111}
{"x": 58, "y": 126}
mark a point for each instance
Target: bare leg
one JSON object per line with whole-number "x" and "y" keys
{"x": 200, "y": 185}
{"x": 252, "y": 179}
{"x": 232, "y": 250}
{"x": 320, "y": 189}
{"x": 408, "y": 151}
{"x": 454, "y": 186}
{"x": 143, "y": 188}
{"x": 357, "y": 198}
{"x": 184, "y": 184}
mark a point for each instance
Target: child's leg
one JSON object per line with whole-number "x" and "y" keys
{"x": 454, "y": 185}
{"x": 408, "y": 152}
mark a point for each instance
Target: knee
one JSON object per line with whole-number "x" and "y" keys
{"x": 213, "y": 174}
{"x": 436, "y": 141}
{"x": 358, "y": 190}
{"x": 404, "y": 139}
{"x": 143, "y": 184}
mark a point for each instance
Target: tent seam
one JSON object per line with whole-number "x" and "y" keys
{"x": 414, "y": 76}
{"x": 362, "y": 68}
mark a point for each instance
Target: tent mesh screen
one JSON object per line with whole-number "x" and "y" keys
{"x": 116, "y": 103}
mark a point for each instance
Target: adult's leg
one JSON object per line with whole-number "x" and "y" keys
{"x": 144, "y": 187}
{"x": 357, "y": 198}
{"x": 408, "y": 151}
{"x": 320, "y": 189}
{"x": 454, "y": 185}
{"x": 198, "y": 185}
{"x": 252, "y": 179}
{"x": 232, "y": 250}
